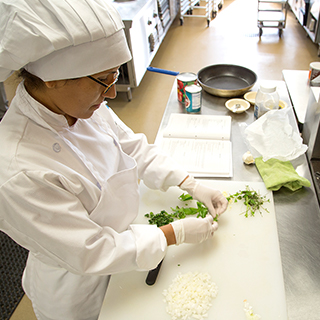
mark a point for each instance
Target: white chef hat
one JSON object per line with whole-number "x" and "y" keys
{"x": 60, "y": 39}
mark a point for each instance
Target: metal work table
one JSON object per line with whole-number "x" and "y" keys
{"x": 297, "y": 213}
{"x": 299, "y": 90}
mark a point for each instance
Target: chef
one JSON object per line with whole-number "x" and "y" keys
{"x": 69, "y": 167}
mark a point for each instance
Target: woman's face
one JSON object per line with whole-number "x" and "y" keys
{"x": 78, "y": 98}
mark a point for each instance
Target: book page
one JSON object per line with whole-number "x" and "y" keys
{"x": 202, "y": 158}
{"x": 198, "y": 126}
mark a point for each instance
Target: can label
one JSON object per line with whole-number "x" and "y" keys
{"x": 259, "y": 111}
{"x": 183, "y": 80}
{"x": 314, "y": 74}
{"x": 193, "y": 99}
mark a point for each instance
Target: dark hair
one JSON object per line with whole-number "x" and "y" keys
{"x": 30, "y": 80}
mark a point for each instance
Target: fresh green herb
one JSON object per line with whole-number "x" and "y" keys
{"x": 185, "y": 197}
{"x": 181, "y": 212}
{"x": 162, "y": 218}
{"x": 252, "y": 199}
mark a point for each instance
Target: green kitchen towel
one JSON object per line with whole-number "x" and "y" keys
{"x": 277, "y": 174}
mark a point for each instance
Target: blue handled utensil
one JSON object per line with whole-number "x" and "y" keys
{"x": 158, "y": 70}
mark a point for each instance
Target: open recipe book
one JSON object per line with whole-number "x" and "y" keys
{"x": 200, "y": 143}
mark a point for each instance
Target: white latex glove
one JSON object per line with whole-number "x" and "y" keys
{"x": 211, "y": 198}
{"x": 194, "y": 230}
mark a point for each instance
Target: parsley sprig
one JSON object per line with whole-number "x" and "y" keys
{"x": 163, "y": 217}
{"x": 252, "y": 200}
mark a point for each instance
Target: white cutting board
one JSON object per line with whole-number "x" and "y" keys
{"x": 243, "y": 259}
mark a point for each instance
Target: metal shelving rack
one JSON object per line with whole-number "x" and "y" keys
{"x": 307, "y": 13}
{"x": 211, "y": 8}
{"x": 272, "y": 14}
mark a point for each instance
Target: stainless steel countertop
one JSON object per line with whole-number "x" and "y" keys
{"x": 297, "y": 213}
{"x": 299, "y": 90}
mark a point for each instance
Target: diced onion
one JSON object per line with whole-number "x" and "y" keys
{"x": 249, "y": 312}
{"x": 190, "y": 296}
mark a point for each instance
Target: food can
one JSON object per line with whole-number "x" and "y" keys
{"x": 193, "y": 100}
{"x": 314, "y": 74}
{"x": 185, "y": 79}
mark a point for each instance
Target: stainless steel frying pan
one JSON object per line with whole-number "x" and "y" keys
{"x": 222, "y": 80}
{"x": 226, "y": 80}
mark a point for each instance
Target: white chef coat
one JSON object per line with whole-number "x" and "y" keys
{"x": 69, "y": 195}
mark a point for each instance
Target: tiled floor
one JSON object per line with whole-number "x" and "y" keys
{"x": 231, "y": 38}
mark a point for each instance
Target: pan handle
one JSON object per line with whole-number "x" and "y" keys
{"x": 171, "y": 73}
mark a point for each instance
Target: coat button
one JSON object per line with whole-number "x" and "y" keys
{"x": 56, "y": 147}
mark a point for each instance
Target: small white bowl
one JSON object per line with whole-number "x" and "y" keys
{"x": 282, "y": 104}
{"x": 250, "y": 96}
{"x": 237, "y": 105}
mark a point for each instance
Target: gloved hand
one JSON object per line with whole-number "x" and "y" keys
{"x": 212, "y": 199}
{"x": 194, "y": 230}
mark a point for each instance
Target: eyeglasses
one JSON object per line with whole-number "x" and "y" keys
{"x": 112, "y": 78}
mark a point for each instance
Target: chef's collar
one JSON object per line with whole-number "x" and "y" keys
{"x": 37, "y": 112}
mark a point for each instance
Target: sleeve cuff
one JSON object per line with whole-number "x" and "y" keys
{"x": 151, "y": 245}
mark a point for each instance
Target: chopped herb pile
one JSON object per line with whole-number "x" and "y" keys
{"x": 252, "y": 199}
{"x": 162, "y": 218}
